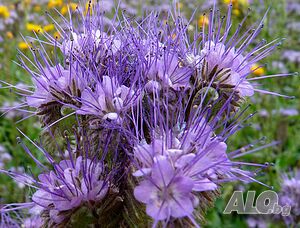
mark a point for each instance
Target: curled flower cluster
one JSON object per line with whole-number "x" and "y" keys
{"x": 77, "y": 181}
{"x": 151, "y": 108}
{"x": 72, "y": 184}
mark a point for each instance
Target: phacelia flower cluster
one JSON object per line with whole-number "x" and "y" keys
{"x": 150, "y": 106}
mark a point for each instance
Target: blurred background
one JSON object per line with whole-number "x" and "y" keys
{"x": 276, "y": 119}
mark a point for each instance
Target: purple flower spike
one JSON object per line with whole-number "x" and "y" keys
{"x": 73, "y": 183}
{"x": 175, "y": 170}
{"x": 227, "y": 59}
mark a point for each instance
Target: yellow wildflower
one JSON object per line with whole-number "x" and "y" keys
{"x": 37, "y": 8}
{"x": 4, "y": 12}
{"x": 89, "y": 4}
{"x": 236, "y": 12}
{"x": 229, "y": 1}
{"x": 235, "y": 3}
{"x": 9, "y": 35}
{"x": 11, "y": 7}
{"x": 56, "y": 35}
{"x": 203, "y": 21}
{"x": 33, "y": 27}
{"x": 258, "y": 71}
{"x": 23, "y": 45}
{"x": 72, "y": 6}
{"x": 55, "y": 3}
{"x": 26, "y": 2}
{"x": 48, "y": 28}
{"x": 179, "y": 5}
{"x": 243, "y": 2}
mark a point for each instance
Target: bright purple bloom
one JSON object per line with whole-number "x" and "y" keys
{"x": 17, "y": 220}
{"x": 80, "y": 44}
{"x": 226, "y": 59}
{"x": 108, "y": 100}
{"x": 33, "y": 222}
{"x": 55, "y": 84}
{"x": 166, "y": 194}
{"x": 169, "y": 70}
{"x": 189, "y": 163}
{"x": 7, "y": 221}
{"x": 216, "y": 56}
{"x": 70, "y": 185}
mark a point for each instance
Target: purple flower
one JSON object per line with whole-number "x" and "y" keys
{"x": 190, "y": 147}
{"x": 198, "y": 154}
{"x": 170, "y": 71}
{"x": 7, "y": 221}
{"x": 290, "y": 196}
{"x": 108, "y": 100}
{"x": 55, "y": 84}
{"x": 289, "y": 112}
{"x": 9, "y": 217}
{"x": 33, "y": 222}
{"x": 256, "y": 222}
{"x": 166, "y": 193}
{"x": 174, "y": 169}
{"x": 215, "y": 55}
{"x": 71, "y": 185}
{"x": 226, "y": 59}
{"x": 4, "y": 156}
{"x": 82, "y": 43}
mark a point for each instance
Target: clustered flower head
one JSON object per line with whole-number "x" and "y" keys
{"x": 290, "y": 195}
{"x": 72, "y": 184}
{"x": 150, "y": 107}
